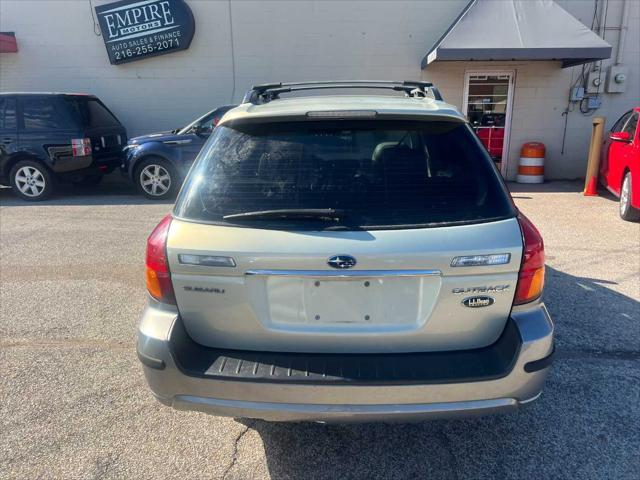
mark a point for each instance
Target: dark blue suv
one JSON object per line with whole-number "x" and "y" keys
{"x": 50, "y": 137}
{"x": 157, "y": 163}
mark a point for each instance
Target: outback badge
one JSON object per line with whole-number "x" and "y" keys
{"x": 478, "y": 302}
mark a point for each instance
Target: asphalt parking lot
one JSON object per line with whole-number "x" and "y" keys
{"x": 74, "y": 403}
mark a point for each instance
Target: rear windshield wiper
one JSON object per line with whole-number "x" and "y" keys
{"x": 317, "y": 213}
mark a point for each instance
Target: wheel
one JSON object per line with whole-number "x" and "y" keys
{"x": 88, "y": 181}
{"x": 156, "y": 178}
{"x": 31, "y": 180}
{"x": 627, "y": 211}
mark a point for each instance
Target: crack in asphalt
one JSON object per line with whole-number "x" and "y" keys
{"x": 234, "y": 458}
{"x": 120, "y": 273}
{"x": 573, "y": 353}
{"x": 67, "y": 343}
{"x": 453, "y": 461}
{"x": 103, "y": 464}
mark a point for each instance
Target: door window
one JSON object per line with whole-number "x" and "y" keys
{"x": 631, "y": 125}
{"x": 618, "y": 126}
{"x": 209, "y": 123}
{"x": 7, "y": 114}
{"x": 42, "y": 114}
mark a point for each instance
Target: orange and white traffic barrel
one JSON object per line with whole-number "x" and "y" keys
{"x": 531, "y": 165}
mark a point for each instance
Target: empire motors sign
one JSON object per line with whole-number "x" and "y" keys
{"x": 133, "y": 30}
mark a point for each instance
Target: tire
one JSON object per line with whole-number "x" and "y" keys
{"x": 31, "y": 181}
{"x": 156, "y": 178}
{"x": 88, "y": 181}
{"x": 627, "y": 211}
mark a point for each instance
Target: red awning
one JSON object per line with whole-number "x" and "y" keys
{"x": 8, "y": 43}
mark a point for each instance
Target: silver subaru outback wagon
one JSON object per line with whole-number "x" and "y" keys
{"x": 345, "y": 258}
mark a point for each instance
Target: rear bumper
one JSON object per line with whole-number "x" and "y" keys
{"x": 242, "y": 384}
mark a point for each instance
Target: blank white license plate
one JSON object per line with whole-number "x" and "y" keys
{"x": 340, "y": 301}
{"x": 362, "y": 301}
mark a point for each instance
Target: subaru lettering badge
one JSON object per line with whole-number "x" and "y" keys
{"x": 478, "y": 302}
{"x": 341, "y": 261}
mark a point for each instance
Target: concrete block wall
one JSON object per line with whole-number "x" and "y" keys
{"x": 540, "y": 98}
{"x": 58, "y": 51}
{"x": 542, "y": 91}
{"x": 295, "y": 41}
{"x": 272, "y": 40}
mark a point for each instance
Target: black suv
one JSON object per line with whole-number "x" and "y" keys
{"x": 46, "y": 137}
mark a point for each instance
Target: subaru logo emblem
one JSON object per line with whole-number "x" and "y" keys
{"x": 341, "y": 261}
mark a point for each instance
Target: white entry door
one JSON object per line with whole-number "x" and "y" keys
{"x": 488, "y": 98}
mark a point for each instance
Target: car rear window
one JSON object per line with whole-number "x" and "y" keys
{"x": 91, "y": 112}
{"x": 381, "y": 174}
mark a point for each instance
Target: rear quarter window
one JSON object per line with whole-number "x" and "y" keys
{"x": 381, "y": 174}
{"x": 44, "y": 114}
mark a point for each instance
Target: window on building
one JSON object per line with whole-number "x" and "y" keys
{"x": 487, "y": 104}
{"x": 42, "y": 114}
{"x": 7, "y": 114}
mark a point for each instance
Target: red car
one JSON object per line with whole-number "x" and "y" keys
{"x": 620, "y": 164}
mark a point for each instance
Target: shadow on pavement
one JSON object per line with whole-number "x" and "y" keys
{"x": 113, "y": 190}
{"x": 519, "y": 190}
{"x": 560, "y": 186}
{"x": 595, "y": 326}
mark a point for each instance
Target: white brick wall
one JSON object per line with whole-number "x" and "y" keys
{"x": 274, "y": 40}
{"x": 542, "y": 91}
{"x": 58, "y": 51}
{"x": 301, "y": 40}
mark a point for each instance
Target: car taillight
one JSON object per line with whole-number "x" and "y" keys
{"x": 81, "y": 147}
{"x": 157, "y": 274}
{"x": 531, "y": 276}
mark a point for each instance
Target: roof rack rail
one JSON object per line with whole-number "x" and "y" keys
{"x": 271, "y": 91}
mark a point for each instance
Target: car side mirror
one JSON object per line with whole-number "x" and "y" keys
{"x": 620, "y": 137}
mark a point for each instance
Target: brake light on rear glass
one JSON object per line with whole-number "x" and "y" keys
{"x": 157, "y": 265}
{"x": 531, "y": 276}
{"x": 81, "y": 147}
{"x": 342, "y": 114}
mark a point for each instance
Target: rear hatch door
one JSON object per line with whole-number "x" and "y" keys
{"x": 107, "y": 134}
{"x": 407, "y": 199}
{"x": 402, "y": 294}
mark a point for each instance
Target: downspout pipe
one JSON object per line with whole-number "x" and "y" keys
{"x": 623, "y": 31}
{"x": 601, "y": 21}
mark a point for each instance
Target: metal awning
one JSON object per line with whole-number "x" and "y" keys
{"x": 8, "y": 43}
{"x": 518, "y": 30}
